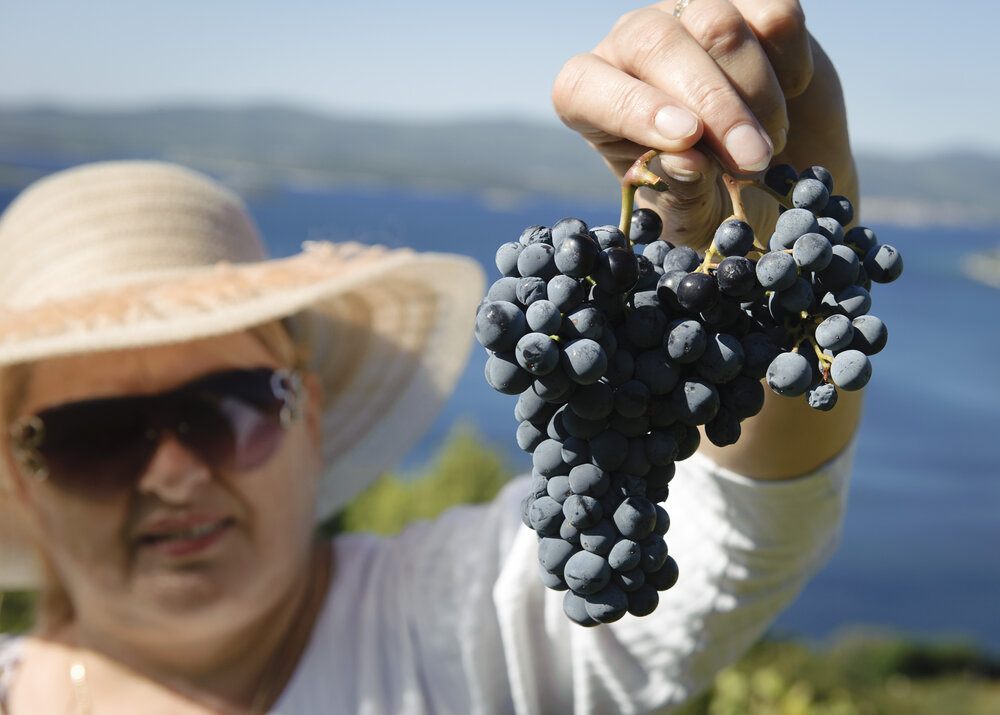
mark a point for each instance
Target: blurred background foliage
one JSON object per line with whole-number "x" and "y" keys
{"x": 863, "y": 673}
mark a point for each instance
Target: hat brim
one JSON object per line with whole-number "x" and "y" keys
{"x": 388, "y": 332}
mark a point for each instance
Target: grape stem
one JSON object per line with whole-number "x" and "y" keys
{"x": 637, "y": 175}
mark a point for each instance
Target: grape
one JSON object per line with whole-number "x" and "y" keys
{"x": 810, "y": 194}
{"x": 635, "y": 518}
{"x": 646, "y": 226}
{"x": 685, "y": 341}
{"x": 861, "y": 238}
{"x": 565, "y": 293}
{"x": 822, "y": 397}
{"x": 695, "y": 401}
{"x": 542, "y": 316}
{"x": 851, "y": 370}
{"x": 586, "y": 572}
{"x": 789, "y": 374}
{"x": 656, "y": 251}
{"x": 794, "y": 223}
{"x": 584, "y": 361}
{"x": 504, "y": 289}
{"x": 504, "y": 374}
{"x": 537, "y": 353}
{"x": 553, "y": 553}
{"x": 870, "y": 334}
{"x": 624, "y": 555}
{"x": 607, "y": 605}
{"x": 698, "y": 292}
{"x": 617, "y": 270}
{"x": 537, "y": 259}
{"x": 499, "y": 325}
{"x": 682, "y": 258}
{"x": 780, "y": 178}
{"x": 834, "y": 333}
{"x": 736, "y": 276}
{"x": 608, "y": 237}
{"x": 535, "y": 234}
{"x": 599, "y": 538}
{"x": 622, "y": 352}
{"x": 883, "y": 263}
{"x": 576, "y": 255}
{"x": 733, "y": 238}
{"x": 506, "y": 258}
{"x": 575, "y": 608}
{"x": 565, "y": 227}
{"x": 776, "y": 271}
{"x": 812, "y": 251}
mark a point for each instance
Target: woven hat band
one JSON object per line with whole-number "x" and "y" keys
{"x": 181, "y": 219}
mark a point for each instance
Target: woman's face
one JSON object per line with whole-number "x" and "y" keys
{"x": 185, "y": 548}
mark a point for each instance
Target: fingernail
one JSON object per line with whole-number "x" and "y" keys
{"x": 748, "y": 147}
{"x": 675, "y": 123}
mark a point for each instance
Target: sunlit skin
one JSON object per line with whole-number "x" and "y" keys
{"x": 190, "y": 608}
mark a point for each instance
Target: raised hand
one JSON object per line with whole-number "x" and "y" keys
{"x": 731, "y": 83}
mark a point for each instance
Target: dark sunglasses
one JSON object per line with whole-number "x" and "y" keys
{"x": 232, "y": 421}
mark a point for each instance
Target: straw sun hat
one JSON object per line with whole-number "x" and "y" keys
{"x": 129, "y": 254}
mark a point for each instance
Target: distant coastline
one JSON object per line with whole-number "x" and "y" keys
{"x": 261, "y": 148}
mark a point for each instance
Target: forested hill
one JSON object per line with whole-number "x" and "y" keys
{"x": 263, "y": 146}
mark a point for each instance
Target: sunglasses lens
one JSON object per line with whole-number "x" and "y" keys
{"x": 229, "y": 420}
{"x": 96, "y": 447}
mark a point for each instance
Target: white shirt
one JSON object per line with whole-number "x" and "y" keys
{"x": 450, "y": 616}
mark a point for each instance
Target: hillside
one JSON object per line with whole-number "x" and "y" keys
{"x": 263, "y": 146}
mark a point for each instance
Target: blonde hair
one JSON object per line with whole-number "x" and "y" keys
{"x": 53, "y": 607}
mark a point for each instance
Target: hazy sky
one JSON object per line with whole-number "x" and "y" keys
{"x": 920, "y": 76}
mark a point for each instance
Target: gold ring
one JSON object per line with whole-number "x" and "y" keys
{"x": 679, "y": 7}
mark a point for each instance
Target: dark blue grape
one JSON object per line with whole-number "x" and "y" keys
{"x": 607, "y": 605}
{"x": 586, "y": 321}
{"x": 565, "y": 227}
{"x": 685, "y": 340}
{"x": 537, "y": 353}
{"x": 695, "y": 401}
{"x": 537, "y": 259}
{"x": 645, "y": 326}
{"x": 635, "y": 518}
{"x": 734, "y": 237}
{"x": 542, "y": 316}
{"x": 780, "y": 178}
{"x": 590, "y": 480}
{"x": 535, "y": 234}
{"x": 862, "y": 238}
{"x": 884, "y": 263}
{"x": 835, "y": 332}
{"x": 870, "y": 334}
{"x": 504, "y": 289}
{"x": 656, "y": 372}
{"x": 681, "y": 258}
{"x": 599, "y": 538}
{"x": 594, "y": 401}
{"x": 530, "y": 289}
{"x": 528, "y": 436}
{"x": 617, "y": 270}
{"x": 789, "y": 374}
{"x": 624, "y": 555}
{"x": 736, "y": 276}
{"x": 822, "y": 397}
{"x": 586, "y": 573}
{"x": 722, "y": 359}
{"x": 851, "y": 370}
{"x": 565, "y": 293}
{"x": 723, "y": 429}
{"x": 608, "y": 236}
{"x": 842, "y": 270}
{"x": 643, "y": 600}
{"x": 608, "y": 450}
{"x": 698, "y": 292}
{"x": 499, "y": 325}
{"x": 812, "y": 251}
{"x": 656, "y": 252}
{"x": 584, "y": 361}
{"x": 646, "y": 226}
{"x": 558, "y": 488}
{"x": 840, "y": 209}
{"x": 545, "y": 516}
{"x": 820, "y": 174}
{"x": 776, "y": 271}
{"x": 794, "y": 223}
{"x": 577, "y": 255}
{"x": 666, "y": 577}
{"x": 504, "y": 374}
{"x": 506, "y": 258}
{"x": 575, "y": 608}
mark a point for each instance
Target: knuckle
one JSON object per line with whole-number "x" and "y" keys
{"x": 720, "y": 33}
{"x": 568, "y": 86}
{"x": 781, "y": 22}
{"x": 709, "y": 100}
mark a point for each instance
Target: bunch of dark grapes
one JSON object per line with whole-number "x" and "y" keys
{"x": 620, "y": 346}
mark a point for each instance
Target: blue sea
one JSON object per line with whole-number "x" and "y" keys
{"x": 920, "y": 551}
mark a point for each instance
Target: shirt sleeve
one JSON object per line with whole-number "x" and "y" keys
{"x": 744, "y": 547}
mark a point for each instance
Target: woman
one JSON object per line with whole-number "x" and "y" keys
{"x": 181, "y": 409}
